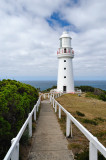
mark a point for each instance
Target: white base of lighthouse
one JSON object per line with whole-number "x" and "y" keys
{"x": 65, "y": 82}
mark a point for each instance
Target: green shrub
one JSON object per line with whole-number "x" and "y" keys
{"x": 80, "y": 114}
{"x": 99, "y": 119}
{"x": 86, "y": 88}
{"x": 90, "y": 94}
{"x": 89, "y": 121}
{"x": 47, "y": 90}
{"x": 98, "y": 91}
{"x": 102, "y": 97}
{"x": 93, "y": 92}
{"x": 16, "y": 101}
{"x": 25, "y": 137}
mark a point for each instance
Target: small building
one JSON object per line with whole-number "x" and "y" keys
{"x": 65, "y": 54}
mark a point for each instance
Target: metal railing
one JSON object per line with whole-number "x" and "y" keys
{"x": 13, "y": 152}
{"x": 94, "y": 144}
{"x": 62, "y": 50}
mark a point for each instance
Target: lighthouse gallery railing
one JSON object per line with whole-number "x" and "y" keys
{"x": 94, "y": 144}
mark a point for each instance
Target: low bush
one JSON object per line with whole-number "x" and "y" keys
{"x": 80, "y": 114}
{"x": 90, "y": 94}
{"x": 102, "y": 97}
{"x": 99, "y": 119}
{"x": 16, "y": 102}
{"x": 25, "y": 137}
{"x": 86, "y": 88}
{"x": 93, "y": 92}
{"x": 98, "y": 91}
{"x": 89, "y": 121}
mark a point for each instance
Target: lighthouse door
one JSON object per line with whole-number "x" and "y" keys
{"x": 64, "y": 88}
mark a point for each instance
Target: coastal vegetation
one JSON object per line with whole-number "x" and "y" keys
{"x": 93, "y": 92}
{"x": 48, "y": 89}
{"x": 90, "y": 92}
{"x": 91, "y": 113}
{"x": 16, "y": 101}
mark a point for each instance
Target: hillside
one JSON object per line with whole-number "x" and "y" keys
{"x": 16, "y": 101}
{"x": 90, "y": 112}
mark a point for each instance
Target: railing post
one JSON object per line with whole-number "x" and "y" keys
{"x": 35, "y": 113}
{"x": 15, "y": 153}
{"x": 44, "y": 96}
{"x": 67, "y": 127}
{"x": 48, "y": 95}
{"x": 53, "y": 102}
{"x": 71, "y": 128}
{"x": 30, "y": 126}
{"x": 50, "y": 98}
{"x": 55, "y": 107}
{"x": 93, "y": 153}
{"x": 37, "y": 106}
{"x": 59, "y": 112}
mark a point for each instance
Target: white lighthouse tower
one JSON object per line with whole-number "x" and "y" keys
{"x": 65, "y": 82}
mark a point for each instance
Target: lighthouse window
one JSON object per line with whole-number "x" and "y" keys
{"x": 64, "y": 50}
{"x": 64, "y": 60}
{"x": 64, "y": 68}
{"x": 64, "y": 76}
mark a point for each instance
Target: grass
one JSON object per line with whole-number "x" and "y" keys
{"x": 74, "y": 145}
{"x": 91, "y": 113}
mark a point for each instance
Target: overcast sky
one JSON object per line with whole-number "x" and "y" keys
{"x": 29, "y": 38}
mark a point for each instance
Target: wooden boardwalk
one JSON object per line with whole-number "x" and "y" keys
{"x": 49, "y": 143}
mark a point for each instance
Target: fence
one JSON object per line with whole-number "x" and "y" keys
{"x": 94, "y": 144}
{"x": 46, "y": 95}
{"x": 13, "y": 152}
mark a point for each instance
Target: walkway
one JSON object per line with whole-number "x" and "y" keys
{"x": 49, "y": 143}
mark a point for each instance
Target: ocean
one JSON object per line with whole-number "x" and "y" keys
{"x": 48, "y": 84}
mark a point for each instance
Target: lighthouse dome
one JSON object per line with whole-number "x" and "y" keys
{"x": 65, "y": 35}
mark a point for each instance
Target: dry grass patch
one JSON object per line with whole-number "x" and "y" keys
{"x": 94, "y": 118}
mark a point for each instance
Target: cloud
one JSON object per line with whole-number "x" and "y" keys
{"x": 89, "y": 42}
{"x": 28, "y": 42}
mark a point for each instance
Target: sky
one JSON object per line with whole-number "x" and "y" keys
{"x": 29, "y": 38}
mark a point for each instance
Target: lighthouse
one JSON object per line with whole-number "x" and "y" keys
{"x": 65, "y": 54}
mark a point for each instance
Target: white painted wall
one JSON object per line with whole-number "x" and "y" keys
{"x": 66, "y": 42}
{"x": 68, "y": 81}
